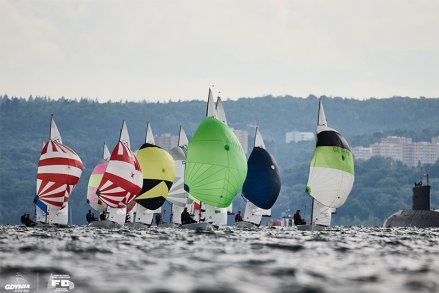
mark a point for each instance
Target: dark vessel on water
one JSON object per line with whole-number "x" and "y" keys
{"x": 420, "y": 215}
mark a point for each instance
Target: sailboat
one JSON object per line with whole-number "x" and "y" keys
{"x": 121, "y": 182}
{"x": 95, "y": 179}
{"x": 158, "y": 172}
{"x": 331, "y": 173}
{"x": 214, "y": 215}
{"x": 262, "y": 184}
{"x": 59, "y": 170}
{"x": 216, "y": 165}
{"x": 177, "y": 196}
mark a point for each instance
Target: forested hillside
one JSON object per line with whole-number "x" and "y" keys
{"x": 381, "y": 186}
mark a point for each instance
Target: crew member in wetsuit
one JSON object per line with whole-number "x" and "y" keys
{"x": 90, "y": 217}
{"x": 238, "y": 217}
{"x": 158, "y": 219}
{"x": 25, "y": 219}
{"x": 298, "y": 219}
{"x": 186, "y": 217}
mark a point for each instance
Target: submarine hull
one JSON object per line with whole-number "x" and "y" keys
{"x": 413, "y": 218}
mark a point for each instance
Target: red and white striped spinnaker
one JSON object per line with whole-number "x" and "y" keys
{"x": 59, "y": 169}
{"x": 122, "y": 180}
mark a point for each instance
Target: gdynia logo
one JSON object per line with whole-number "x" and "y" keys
{"x": 60, "y": 283}
{"x": 20, "y": 285}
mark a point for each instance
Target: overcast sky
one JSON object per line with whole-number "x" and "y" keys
{"x": 161, "y": 50}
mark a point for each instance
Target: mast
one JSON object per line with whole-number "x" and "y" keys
{"x": 321, "y": 121}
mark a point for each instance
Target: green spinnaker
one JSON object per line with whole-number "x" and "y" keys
{"x": 216, "y": 165}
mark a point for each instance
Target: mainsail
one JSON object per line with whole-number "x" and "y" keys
{"x": 216, "y": 164}
{"x": 122, "y": 180}
{"x": 158, "y": 172}
{"x": 254, "y": 214}
{"x": 95, "y": 180}
{"x": 321, "y": 214}
{"x": 331, "y": 174}
{"x": 59, "y": 170}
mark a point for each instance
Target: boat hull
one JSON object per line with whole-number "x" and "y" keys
{"x": 310, "y": 227}
{"x": 168, "y": 225}
{"x": 246, "y": 225}
{"x": 104, "y": 224}
{"x": 413, "y": 218}
{"x": 198, "y": 226}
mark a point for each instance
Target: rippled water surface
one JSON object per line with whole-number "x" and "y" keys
{"x": 343, "y": 259}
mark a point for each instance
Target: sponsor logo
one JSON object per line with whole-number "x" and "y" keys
{"x": 60, "y": 283}
{"x": 19, "y": 285}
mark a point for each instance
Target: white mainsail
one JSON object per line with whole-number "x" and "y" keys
{"x": 220, "y": 113}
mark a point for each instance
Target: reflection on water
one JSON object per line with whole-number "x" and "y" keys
{"x": 343, "y": 259}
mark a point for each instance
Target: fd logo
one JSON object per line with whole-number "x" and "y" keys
{"x": 60, "y": 283}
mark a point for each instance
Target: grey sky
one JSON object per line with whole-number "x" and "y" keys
{"x": 161, "y": 50}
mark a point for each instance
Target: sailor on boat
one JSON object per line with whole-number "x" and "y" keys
{"x": 103, "y": 216}
{"x": 186, "y": 217}
{"x": 158, "y": 219}
{"x": 25, "y": 220}
{"x": 298, "y": 219}
{"x": 238, "y": 217}
{"x": 90, "y": 217}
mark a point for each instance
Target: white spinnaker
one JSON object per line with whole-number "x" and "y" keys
{"x": 321, "y": 214}
{"x": 117, "y": 215}
{"x": 329, "y": 186}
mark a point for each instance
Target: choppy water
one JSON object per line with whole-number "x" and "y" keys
{"x": 172, "y": 260}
